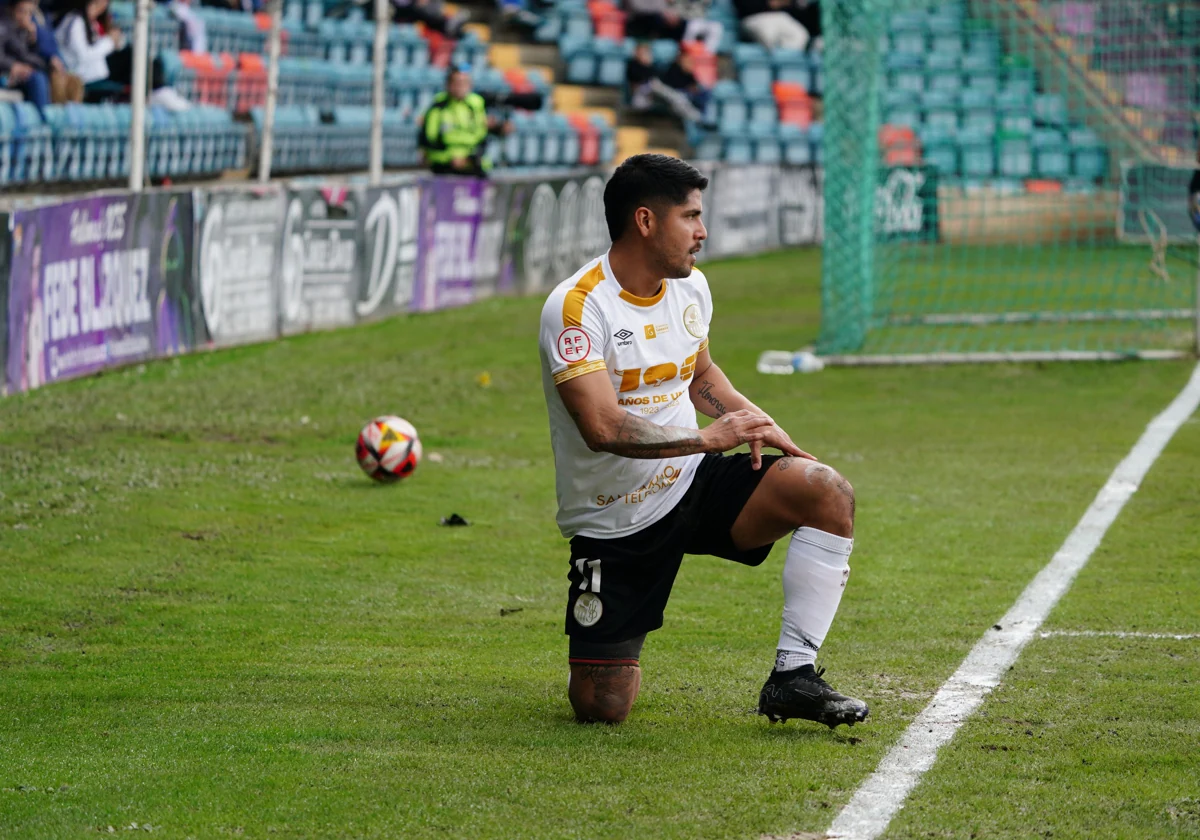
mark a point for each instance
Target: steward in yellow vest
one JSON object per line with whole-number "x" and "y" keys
{"x": 455, "y": 129}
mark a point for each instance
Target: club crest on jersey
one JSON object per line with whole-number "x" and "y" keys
{"x": 573, "y": 345}
{"x": 692, "y": 321}
{"x": 588, "y": 609}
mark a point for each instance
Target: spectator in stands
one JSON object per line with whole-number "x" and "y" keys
{"x": 192, "y": 30}
{"x": 771, "y": 23}
{"x": 456, "y": 127}
{"x": 94, "y": 50}
{"x": 680, "y": 76}
{"x": 430, "y": 13}
{"x": 20, "y": 64}
{"x": 64, "y": 86}
{"x": 660, "y": 19}
{"x": 673, "y": 88}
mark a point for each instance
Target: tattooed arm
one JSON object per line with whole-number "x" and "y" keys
{"x": 713, "y": 394}
{"x": 606, "y": 427}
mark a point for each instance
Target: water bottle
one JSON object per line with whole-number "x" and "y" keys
{"x": 805, "y": 361}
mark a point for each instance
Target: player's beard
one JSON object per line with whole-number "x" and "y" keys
{"x": 674, "y": 267}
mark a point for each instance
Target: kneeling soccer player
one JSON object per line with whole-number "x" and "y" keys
{"x": 625, "y": 365}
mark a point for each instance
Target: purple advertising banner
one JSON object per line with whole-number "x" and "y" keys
{"x": 451, "y": 209}
{"x": 96, "y": 283}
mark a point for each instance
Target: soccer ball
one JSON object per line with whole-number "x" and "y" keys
{"x": 388, "y": 449}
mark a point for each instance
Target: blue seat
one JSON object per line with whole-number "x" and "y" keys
{"x": 939, "y": 149}
{"x": 1050, "y": 109}
{"x": 794, "y": 145}
{"x": 765, "y": 138}
{"x": 902, "y": 107}
{"x": 580, "y": 58}
{"x": 940, "y": 110}
{"x": 1089, "y": 158}
{"x": 908, "y": 30}
{"x": 738, "y": 147}
{"x": 762, "y": 110}
{"x": 1051, "y": 157}
{"x": 976, "y": 153}
{"x": 816, "y": 139}
{"x": 708, "y": 146}
{"x": 1014, "y": 155}
{"x": 792, "y": 66}
{"x": 977, "y": 110}
{"x": 754, "y": 68}
{"x": 1014, "y": 111}
{"x": 906, "y": 72}
{"x": 610, "y": 62}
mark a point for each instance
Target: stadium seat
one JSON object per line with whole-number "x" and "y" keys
{"x": 906, "y": 72}
{"x": 610, "y": 62}
{"x": 977, "y": 110}
{"x": 794, "y": 144}
{"x": 1089, "y": 159}
{"x": 792, "y": 66}
{"x": 765, "y": 138}
{"x": 940, "y": 110}
{"x": 942, "y": 72}
{"x": 754, "y": 68}
{"x": 976, "y": 153}
{"x": 940, "y": 150}
{"x": 1051, "y": 157}
{"x": 902, "y": 107}
{"x": 1050, "y": 109}
{"x": 907, "y": 31}
{"x": 1014, "y": 110}
{"x": 1014, "y": 154}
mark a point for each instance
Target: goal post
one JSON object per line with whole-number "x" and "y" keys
{"x": 1007, "y": 180}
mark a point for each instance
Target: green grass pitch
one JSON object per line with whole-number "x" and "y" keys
{"x": 211, "y": 624}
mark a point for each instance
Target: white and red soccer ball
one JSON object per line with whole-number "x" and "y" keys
{"x": 388, "y": 449}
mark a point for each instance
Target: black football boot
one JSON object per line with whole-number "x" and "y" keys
{"x": 801, "y": 693}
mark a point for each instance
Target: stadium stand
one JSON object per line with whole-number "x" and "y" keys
{"x": 951, "y": 97}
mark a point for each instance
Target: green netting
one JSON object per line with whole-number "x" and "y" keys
{"x": 1009, "y": 177}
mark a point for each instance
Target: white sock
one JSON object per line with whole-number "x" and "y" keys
{"x": 814, "y": 577}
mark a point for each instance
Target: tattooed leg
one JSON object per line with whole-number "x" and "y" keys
{"x": 603, "y": 693}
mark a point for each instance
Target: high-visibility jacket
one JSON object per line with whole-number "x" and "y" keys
{"x": 454, "y": 128}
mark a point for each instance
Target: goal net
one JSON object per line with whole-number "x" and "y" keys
{"x": 1009, "y": 179}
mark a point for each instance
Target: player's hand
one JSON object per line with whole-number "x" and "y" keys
{"x": 776, "y": 438}
{"x": 734, "y": 429}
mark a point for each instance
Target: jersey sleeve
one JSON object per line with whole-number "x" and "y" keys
{"x": 572, "y": 336}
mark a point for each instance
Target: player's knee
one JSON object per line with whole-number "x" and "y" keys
{"x": 834, "y": 510}
{"x": 603, "y": 693}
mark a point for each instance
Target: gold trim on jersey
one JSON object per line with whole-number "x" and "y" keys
{"x": 641, "y": 301}
{"x": 579, "y": 369}
{"x": 703, "y": 345}
{"x": 573, "y": 302}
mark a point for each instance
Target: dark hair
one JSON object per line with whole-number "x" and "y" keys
{"x": 456, "y": 69}
{"x": 646, "y": 180}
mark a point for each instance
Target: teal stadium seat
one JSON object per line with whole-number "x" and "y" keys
{"x": 1014, "y": 155}
{"x": 976, "y": 153}
{"x": 942, "y": 72}
{"x": 1051, "y": 157}
{"x": 939, "y": 149}
{"x": 1089, "y": 158}
{"x": 977, "y": 110}
{"x": 940, "y": 109}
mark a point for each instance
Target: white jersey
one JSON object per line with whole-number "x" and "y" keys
{"x": 648, "y": 347}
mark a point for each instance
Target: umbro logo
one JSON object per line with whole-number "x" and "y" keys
{"x": 624, "y": 338}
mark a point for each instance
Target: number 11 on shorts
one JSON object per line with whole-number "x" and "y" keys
{"x": 590, "y": 582}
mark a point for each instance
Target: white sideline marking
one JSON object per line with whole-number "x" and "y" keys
{"x": 883, "y": 793}
{"x": 1116, "y": 634}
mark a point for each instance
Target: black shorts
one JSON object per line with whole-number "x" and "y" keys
{"x": 624, "y": 583}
